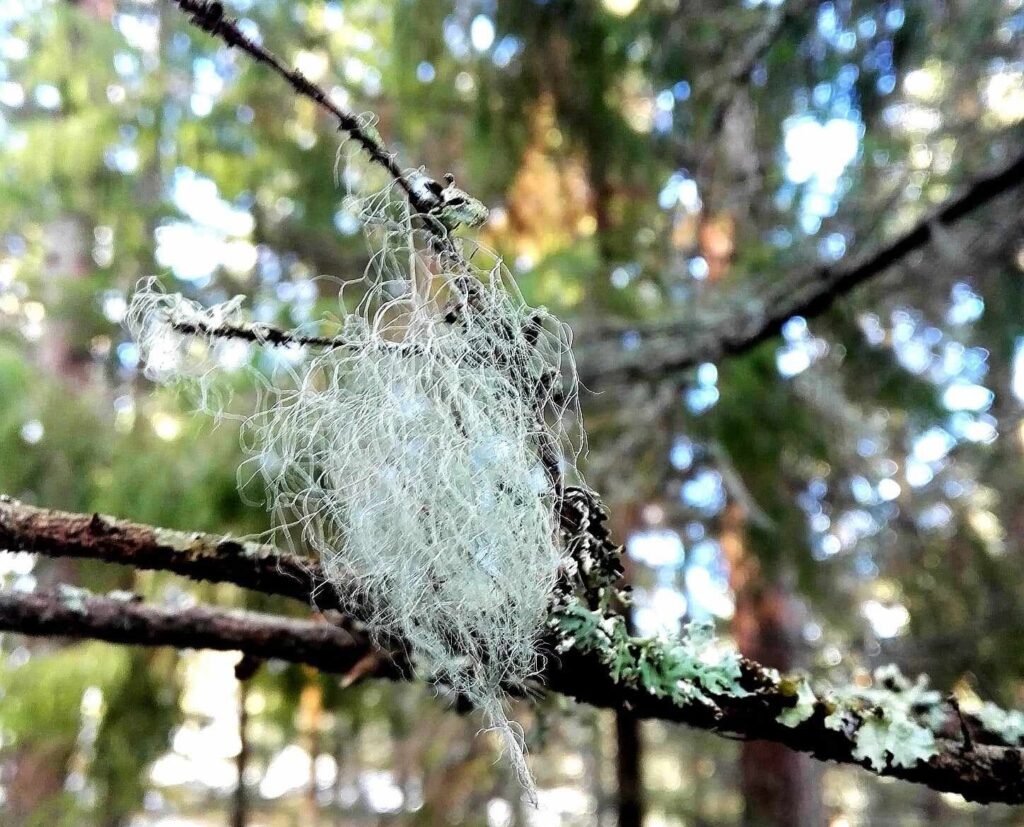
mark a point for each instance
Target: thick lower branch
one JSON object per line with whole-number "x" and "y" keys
{"x": 986, "y": 773}
{"x": 74, "y": 613}
{"x": 981, "y": 772}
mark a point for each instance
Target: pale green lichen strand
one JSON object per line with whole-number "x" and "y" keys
{"x": 693, "y": 667}
{"x": 1007, "y": 724}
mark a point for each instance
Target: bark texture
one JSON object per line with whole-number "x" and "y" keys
{"x": 984, "y": 772}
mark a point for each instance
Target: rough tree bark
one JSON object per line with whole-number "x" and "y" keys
{"x": 979, "y": 771}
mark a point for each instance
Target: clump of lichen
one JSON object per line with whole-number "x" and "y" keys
{"x": 1007, "y": 724}
{"x": 892, "y": 721}
{"x": 418, "y": 452}
{"x": 692, "y": 667}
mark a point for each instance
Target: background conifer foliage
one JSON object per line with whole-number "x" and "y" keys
{"x": 522, "y": 413}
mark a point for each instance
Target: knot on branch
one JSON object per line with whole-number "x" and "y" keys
{"x": 208, "y": 15}
{"x": 99, "y": 525}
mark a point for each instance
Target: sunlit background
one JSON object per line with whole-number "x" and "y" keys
{"x": 846, "y": 495}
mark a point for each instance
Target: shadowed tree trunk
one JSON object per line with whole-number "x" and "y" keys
{"x": 240, "y": 805}
{"x": 628, "y": 740}
{"x": 37, "y": 777}
{"x": 595, "y": 757}
{"x": 630, "y": 781}
{"x": 779, "y": 786}
{"x": 38, "y": 769}
{"x": 310, "y": 717}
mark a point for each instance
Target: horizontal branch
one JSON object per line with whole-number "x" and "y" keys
{"x": 75, "y": 613}
{"x": 979, "y": 771}
{"x": 984, "y": 773}
{"x": 669, "y": 347}
{"x": 197, "y": 556}
{"x": 259, "y": 334}
{"x": 666, "y": 348}
{"x": 263, "y": 334}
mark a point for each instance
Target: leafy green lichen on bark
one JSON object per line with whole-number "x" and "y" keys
{"x": 1007, "y": 724}
{"x": 894, "y": 719}
{"x": 692, "y": 667}
{"x": 981, "y": 768}
{"x": 891, "y": 723}
{"x": 806, "y": 700}
{"x": 896, "y": 738}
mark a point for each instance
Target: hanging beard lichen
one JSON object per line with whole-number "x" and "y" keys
{"x": 418, "y": 453}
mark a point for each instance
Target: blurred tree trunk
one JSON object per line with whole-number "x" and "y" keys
{"x": 240, "y": 804}
{"x": 595, "y": 758}
{"x": 629, "y": 776}
{"x": 345, "y": 758}
{"x": 37, "y": 777}
{"x": 38, "y": 769}
{"x": 780, "y": 787}
{"x": 629, "y": 744}
{"x": 310, "y": 714}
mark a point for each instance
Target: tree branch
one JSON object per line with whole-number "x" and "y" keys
{"x": 194, "y": 555}
{"x": 259, "y": 334}
{"x": 669, "y": 347}
{"x": 208, "y": 15}
{"x": 985, "y": 772}
{"x": 122, "y": 618}
{"x": 263, "y": 334}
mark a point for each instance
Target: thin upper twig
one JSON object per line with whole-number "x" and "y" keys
{"x": 264, "y": 334}
{"x": 209, "y": 16}
{"x": 260, "y": 334}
